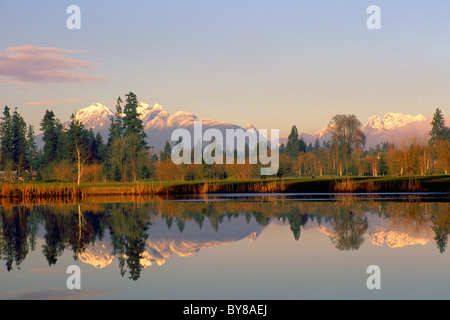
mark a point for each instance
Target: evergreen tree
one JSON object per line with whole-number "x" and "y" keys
{"x": 53, "y": 138}
{"x": 6, "y": 139}
{"x": 131, "y": 121}
{"x": 293, "y": 143}
{"x": 98, "y": 148}
{"x": 438, "y": 129}
{"x": 167, "y": 152}
{"x": 31, "y": 151}
{"x": 116, "y": 129}
{"x": 316, "y": 145}
{"x": 19, "y": 143}
{"x": 302, "y": 145}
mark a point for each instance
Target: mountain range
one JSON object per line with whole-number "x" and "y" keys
{"x": 164, "y": 242}
{"x": 393, "y": 127}
{"x": 159, "y": 125}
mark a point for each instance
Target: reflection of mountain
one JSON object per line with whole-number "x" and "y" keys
{"x": 138, "y": 235}
{"x": 382, "y": 231}
{"x": 163, "y": 241}
{"x": 396, "y": 239}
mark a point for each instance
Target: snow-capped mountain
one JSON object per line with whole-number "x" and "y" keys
{"x": 393, "y": 127}
{"x": 397, "y": 127}
{"x": 390, "y": 121}
{"x": 95, "y": 116}
{"x": 158, "y": 123}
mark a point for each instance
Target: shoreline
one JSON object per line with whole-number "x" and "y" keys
{"x": 320, "y": 185}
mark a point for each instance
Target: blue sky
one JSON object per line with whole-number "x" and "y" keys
{"x": 270, "y": 63}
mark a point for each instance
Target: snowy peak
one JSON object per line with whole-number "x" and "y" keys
{"x": 158, "y": 123}
{"x": 251, "y": 128}
{"x": 393, "y": 127}
{"x": 374, "y": 122}
{"x": 391, "y": 121}
{"x": 94, "y": 116}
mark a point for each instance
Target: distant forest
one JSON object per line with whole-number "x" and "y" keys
{"x": 77, "y": 154}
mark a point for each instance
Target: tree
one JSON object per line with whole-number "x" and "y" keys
{"x": 116, "y": 128}
{"x": 316, "y": 145}
{"x": 438, "y": 129}
{"x": 98, "y": 148}
{"x": 31, "y": 152}
{"x": 53, "y": 138}
{"x": 19, "y": 143}
{"x": 346, "y": 133}
{"x": 116, "y": 158}
{"x": 6, "y": 142}
{"x": 295, "y": 145}
{"x": 135, "y": 157}
{"x": 131, "y": 121}
{"x": 78, "y": 146}
{"x": 166, "y": 152}
{"x": 441, "y": 149}
{"x": 349, "y": 229}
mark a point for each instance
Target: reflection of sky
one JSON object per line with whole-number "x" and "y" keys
{"x": 274, "y": 266}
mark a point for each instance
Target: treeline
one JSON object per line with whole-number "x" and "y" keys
{"x": 344, "y": 153}
{"x": 76, "y": 154}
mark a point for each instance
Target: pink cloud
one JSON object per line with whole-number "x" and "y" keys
{"x": 31, "y": 64}
{"x": 52, "y": 102}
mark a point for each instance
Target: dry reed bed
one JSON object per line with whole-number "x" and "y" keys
{"x": 34, "y": 192}
{"x": 351, "y": 185}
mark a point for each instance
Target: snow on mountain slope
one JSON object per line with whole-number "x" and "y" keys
{"x": 159, "y": 125}
{"x": 390, "y": 121}
{"x": 393, "y": 127}
{"x": 95, "y": 116}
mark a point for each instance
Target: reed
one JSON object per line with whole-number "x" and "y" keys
{"x": 31, "y": 192}
{"x": 387, "y": 185}
{"x": 70, "y": 192}
{"x": 345, "y": 185}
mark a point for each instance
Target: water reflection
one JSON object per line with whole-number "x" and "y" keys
{"x": 140, "y": 234}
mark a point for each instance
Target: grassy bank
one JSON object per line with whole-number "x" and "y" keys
{"x": 72, "y": 192}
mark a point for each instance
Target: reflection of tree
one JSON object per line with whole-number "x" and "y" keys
{"x": 209, "y": 211}
{"x": 14, "y": 245}
{"x": 69, "y": 226}
{"x": 349, "y": 230}
{"x": 128, "y": 229}
{"x": 77, "y": 226}
{"x": 81, "y": 233}
{"x": 54, "y": 242}
{"x": 441, "y": 226}
{"x": 296, "y": 221}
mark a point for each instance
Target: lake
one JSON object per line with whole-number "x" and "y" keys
{"x": 282, "y": 246}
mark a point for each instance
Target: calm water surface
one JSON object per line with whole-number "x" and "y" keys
{"x": 229, "y": 247}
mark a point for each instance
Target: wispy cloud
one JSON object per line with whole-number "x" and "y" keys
{"x": 52, "y": 102}
{"x": 27, "y": 64}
